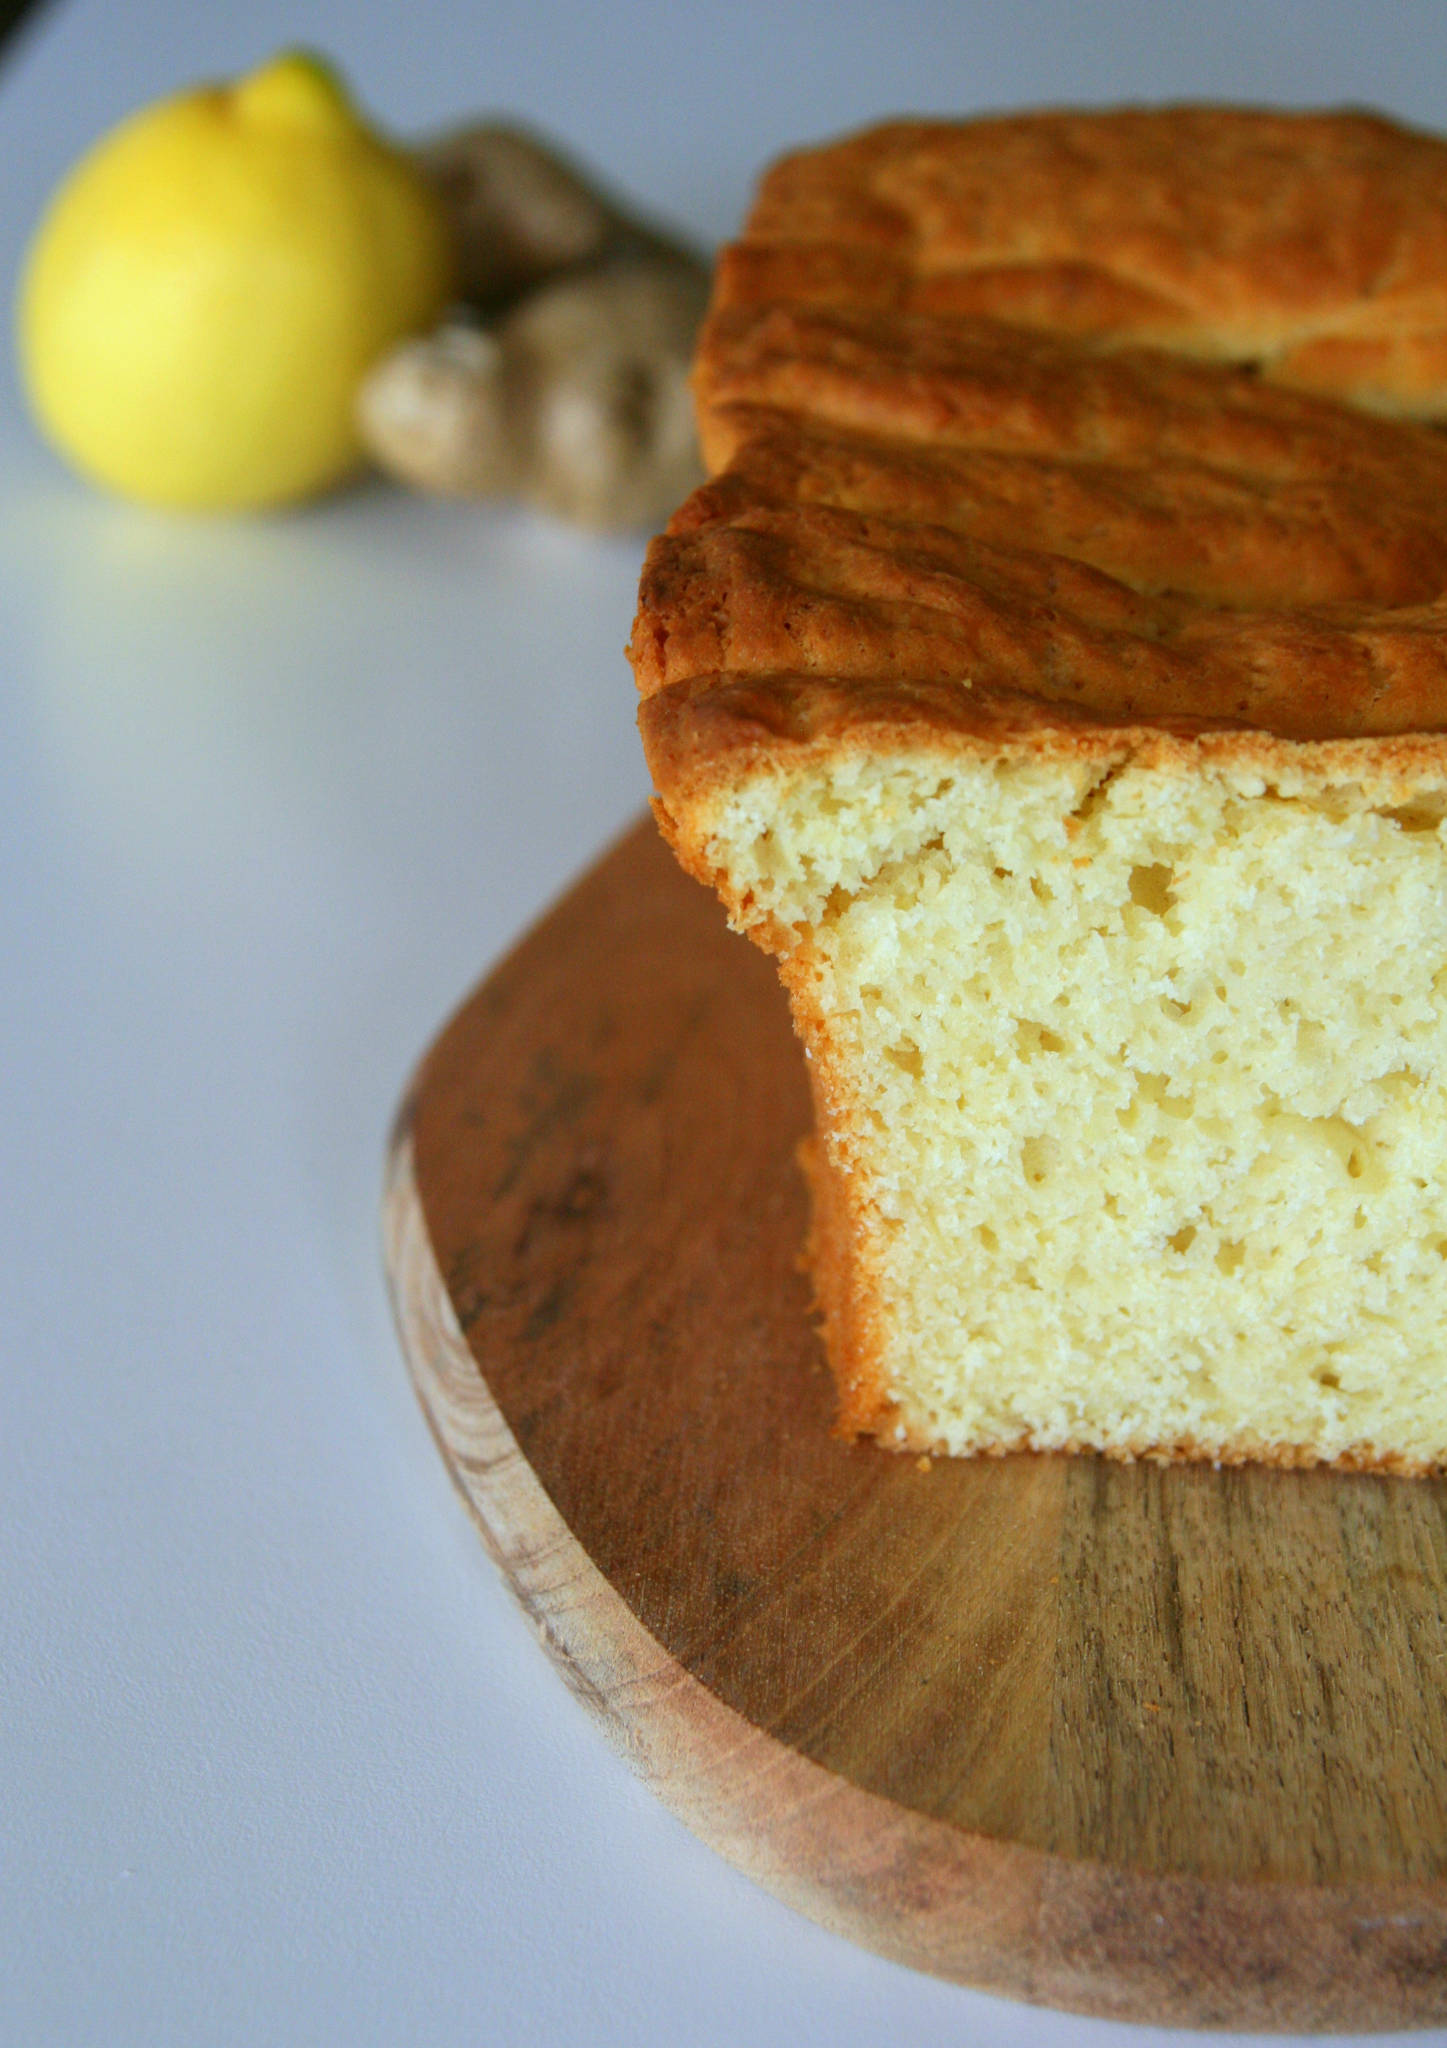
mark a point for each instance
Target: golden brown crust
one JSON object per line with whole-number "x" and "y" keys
{"x": 934, "y": 513}
{"x": 865, "y": 1408}
{"x": 837, "y": 595}
{"x": 1314, "y": 244}
{"x": 1240, "y": 1450}
{"x": 839, "y": 1251}
{"x": 713, "y": 729}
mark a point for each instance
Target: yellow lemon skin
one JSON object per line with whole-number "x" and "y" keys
{"x": 212, "y": 282}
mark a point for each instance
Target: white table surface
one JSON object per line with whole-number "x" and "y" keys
{"x": 279, "y": 1761}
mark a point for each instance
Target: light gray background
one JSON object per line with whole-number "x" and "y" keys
{"x": 279, "y": 1761}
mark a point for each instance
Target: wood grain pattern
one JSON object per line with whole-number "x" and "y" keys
{"x": 1156, "y": 1743}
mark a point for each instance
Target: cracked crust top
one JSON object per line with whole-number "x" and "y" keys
{"x": 1082, "y": 430}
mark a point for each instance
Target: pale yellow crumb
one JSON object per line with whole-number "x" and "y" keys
{"x": 1147, "y": 1141}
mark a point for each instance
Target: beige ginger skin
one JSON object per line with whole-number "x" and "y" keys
{"x": 564, "y": 380}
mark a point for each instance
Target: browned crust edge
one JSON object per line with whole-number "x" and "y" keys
{"x": 828, "y": 1257}
{"x": 704, "y": 732}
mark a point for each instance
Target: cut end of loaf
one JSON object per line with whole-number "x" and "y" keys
{"x": 1130, "y": 1094}
{"x": 1054, "y": 676}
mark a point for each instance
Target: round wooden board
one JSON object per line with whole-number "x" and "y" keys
{"x": 1162, "y": 1744}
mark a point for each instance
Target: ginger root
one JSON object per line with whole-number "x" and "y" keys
{"x": 521, "y": 212}
{"x": 577, "y": 403}
{"x": 574, "y": 397}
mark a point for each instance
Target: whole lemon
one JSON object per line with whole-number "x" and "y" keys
{"x": 213, "y": 280}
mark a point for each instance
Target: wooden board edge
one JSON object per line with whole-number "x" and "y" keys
{"x": 999, "y": 1917}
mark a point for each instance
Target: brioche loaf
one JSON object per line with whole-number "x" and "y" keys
{"x": 1053, "y": 675}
